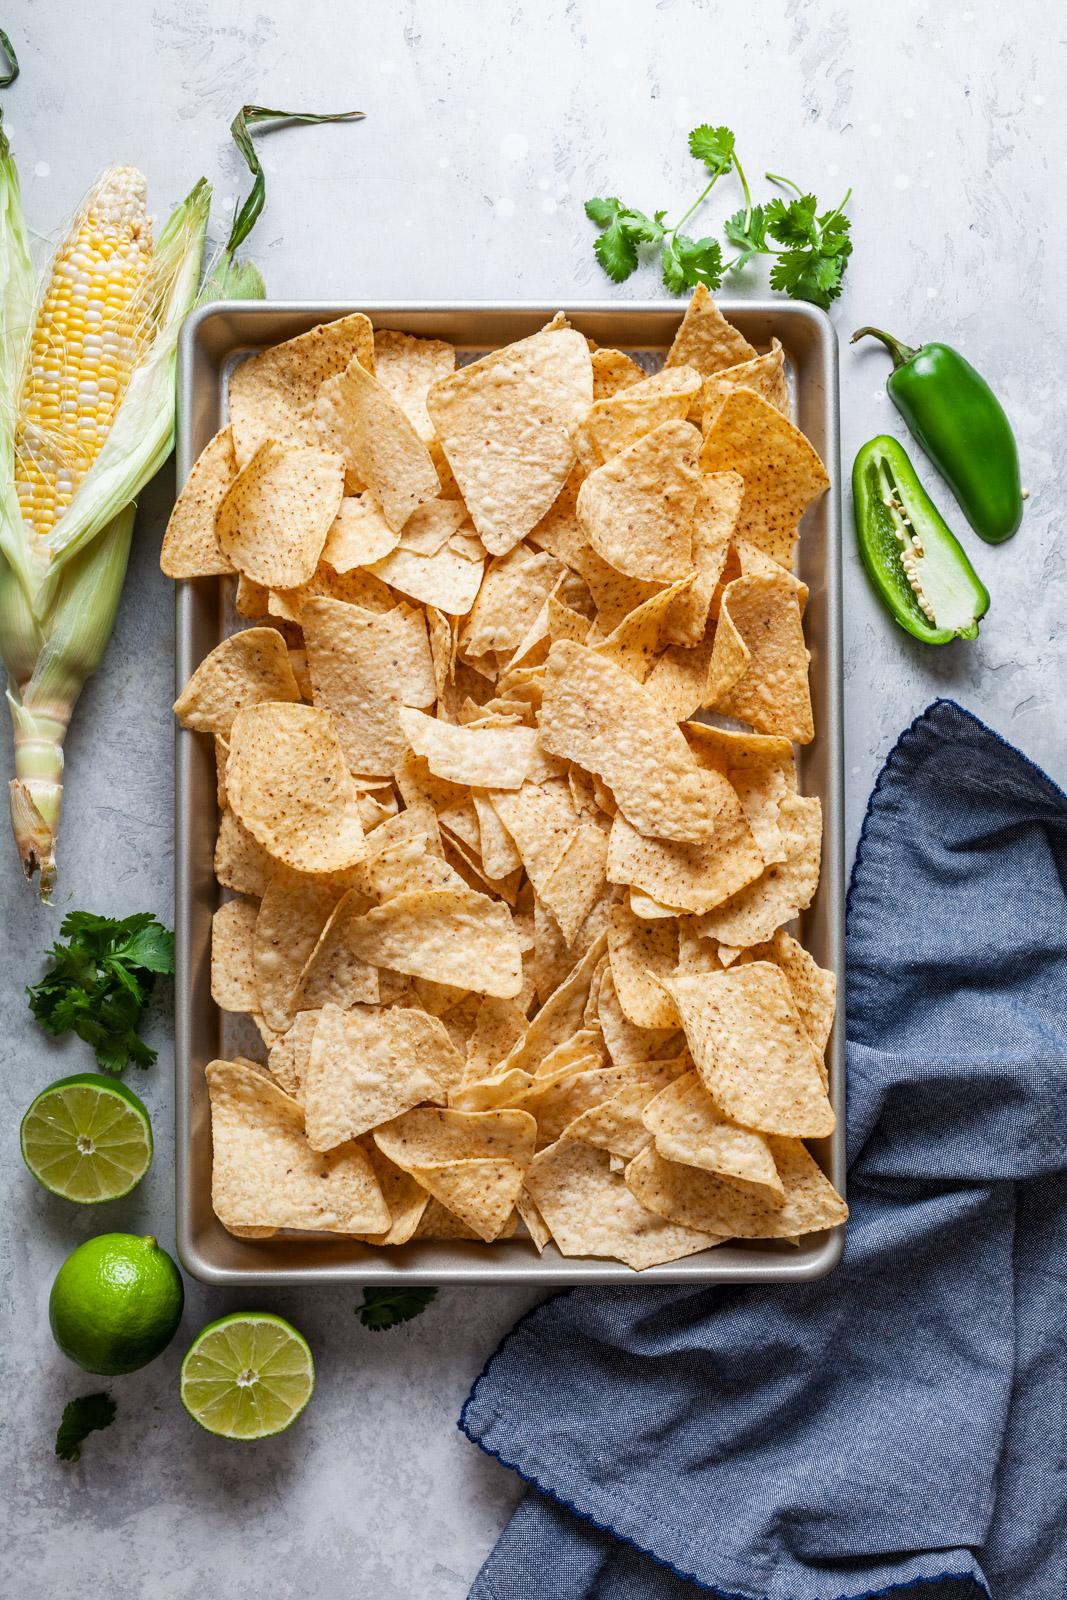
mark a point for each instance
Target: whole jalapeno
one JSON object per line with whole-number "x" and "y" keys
{"x": 912, "y": 556}
{"x": 963, "y": 428}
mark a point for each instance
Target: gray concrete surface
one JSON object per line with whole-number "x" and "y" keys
{"x": 487, "y": 126}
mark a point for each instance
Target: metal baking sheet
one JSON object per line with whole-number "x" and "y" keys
{"x": 212, "y": 341}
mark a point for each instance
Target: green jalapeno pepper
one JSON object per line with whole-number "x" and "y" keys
{"x": 913, "y": 558}
{"x": 961, "y": 425}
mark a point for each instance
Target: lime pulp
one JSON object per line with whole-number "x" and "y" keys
{"x": 247, "y": 1375}
{"x": 87, "y": 1138}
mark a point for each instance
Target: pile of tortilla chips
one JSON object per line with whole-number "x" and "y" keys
{"x": 509, "y": 912}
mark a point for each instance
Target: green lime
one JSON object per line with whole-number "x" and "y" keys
{"x": 247, "y": 1375}
{"x": 87, "y": 1138}
{"x": 116, "y": 1303}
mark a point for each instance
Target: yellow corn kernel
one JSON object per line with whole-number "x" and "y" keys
{"x": 88, "y": 337}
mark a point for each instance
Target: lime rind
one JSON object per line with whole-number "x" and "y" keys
{"x": 247, "y": 1376}
{"x": 87, "y": 1139}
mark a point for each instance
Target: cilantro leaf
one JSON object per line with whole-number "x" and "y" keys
{"x": 80, "y": 1418}
{"x": 687, "y": 262}
{"x": 100, "y": 981}
{"x": 808, "y": 275}
{"x": 386, "y": 1308}
{"x": 793, "y": 222}
{"x": 624, "y": 229}
{"x": 713, "y": 146}
{"x": 749, "y": 237}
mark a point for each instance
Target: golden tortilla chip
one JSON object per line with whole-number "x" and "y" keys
{"x": 642, "y": 951}
{"x": 408, "y": 368}
{"x": 446, "y": 579}
{"x": 438, "y": 1222}
{"x": 612, "y": 425}
{"x": 435, "y": 524}
{"x": 782, "y": 890}
{"x": 541, "y": 820}
{"x": 728, "y": 751}
{"x": 233, "y": 974}
{"x": 718, "y": 505}
{"x": 368, "y": 1066}
{"x": 761, "y": 792}
{"x": 694, "y": 1198}
{"x": 273, "y": 520}
{"x": 813, "y": 988}
{"x": 272, "y": 395}
{"x": 560, "y": 1016}
{"x": 378, "y": 442}
{"x": 634, "y": 641}
{"x": 246, "y": 669}
{"x": 690, "y": 1128}
{"x": 594, "y": 713}
{"x": 574, "y": 885}
{"x": 287, "y": 781}
{"x": 499, "y": 1025}
{"x": 647, "y": 907}
{"x": 616, "y": 1125}
{"x": 591, "y": 1212}
{"x": 552, "y": 960}
{"x": 782, "y": 473}
{"x": 356, "y": 588}
{"x": 679, "y": 679}
{"x": 765, "y": 376}
{"x": 449, "y": 935}
{"x": 252, "y": 599}
{"x": 705, "y": 340}
{"x": 498, "y": 758}
{"x": 689, "y": 877}
{"x": 332, "y": 974}
{"x": 291, "y": 1052}
{"x": 404, "y": 866}
{"x": 241, "y": 862}
{"x": 406, "y": 1200}
{"x": 295, "y": 910}
{"x": 513, "y": 592}
{"x": 473, "y": 1162}
{"x": 504, "y": 424}
{"x": 365, "y": 667}
{"x": 358, "y": 535}
{"x": 536, "y": 1226}
{"x": 498, "y": 852}
{"x": 637, "y": 510}
{"x": 190, "y": 546}
{"x": 627, "y": 1043}
{"x": 759, "y": 664}
{"x": 264, "y": 1173}
{"x": 749, "y": 1046}
{"x": 612, "y": 372}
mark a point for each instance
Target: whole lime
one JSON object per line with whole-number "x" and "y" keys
{"x": 116, "y": 1303}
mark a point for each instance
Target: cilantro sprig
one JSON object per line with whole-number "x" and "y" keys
{"x": 100, "y": 981}
{"x": 386, "y": 1308}
{"x": 82, "y": 1417}
{"x": 814, "y": 247}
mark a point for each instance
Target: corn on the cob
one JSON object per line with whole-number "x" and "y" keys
{"x": 90, "y": 329}
{"x": 88, "y": 417}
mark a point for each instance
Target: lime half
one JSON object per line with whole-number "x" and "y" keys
{"x": 247, "y": 1375}
{"x": 87, "y": 1138}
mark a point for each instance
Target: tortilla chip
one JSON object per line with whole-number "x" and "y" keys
{"x": 594, "y": 713}
{"x": 715, "y": 514}
{"x": 679, "y": 679}
{"x": 813, "y": 988}
{"x": 689, "y": 877}
{"x": 498, "y": 852}
{"x": 765, "y": 376}
{"x": 368, "y": 1066}
{"x": 246, "y": 669}
{"x": 291, "y": 1052}
{"x": 450, "y": 935}
{"x": 513, "y": 592}
{"x": 759, "y": 664}
{"x": 473, "y": 1162}
{"x": 616, "y": 1125}
{"x": 273, "y": 520}
{"x": 643, "y": 951}
{"x": 612, "y": 372}
{"x": 190, "y": 546}
{"x": 287, "y": 781}
{"x": 356, "y": 588}
{"x": 498, "y": 758}
{"x": 446, "y": 579}
{"x": 560, "y": 1016}
{"x": 690, "y": 1128}
{"x": 405, "y": 866}
{"x": 573, "y": 886}
{"x": 408, "y": 368}
{"x": 725, "y": 750}
{"x": 241, "y": 862}
{"x": 633, "y": 643}
{"x": 782, "y": 473}
{"x": 252, "y": 599}
{"x": 504, "y": 423}
{"x": 331, "y": 973}
{"x": 499, "y": 1025}
{"x": 782, "y": 890}
{"x": 406, "y": 1200}
{"x": 591, "y": 1212}
{"x": 694, "y": 1198}
{"x": 358, "y": 535}
{"x": 705, "y": 340}
{"x": 295, "y": 910}
{"x": 365, "y": 667}
{"x": 233, "y": 975}
{"x": 438, "y": 1222}
{"x": 435, "y": 524}
{"x": 749, "y": 1046}
{"x": 536, "y": 1226}
{"x": 553, "y": 960}
{"x": 272, "y": 395}
{"x": 648, "y": 908}
{"x": 626, "y": 1042}
{"x": 613, "y": 425}
{"x": 378, "y": 442}
{"x": 264, "y": 1174}
{"x": 637, "y": 510}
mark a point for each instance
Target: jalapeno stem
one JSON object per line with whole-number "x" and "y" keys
{"x": 901, "y": 353}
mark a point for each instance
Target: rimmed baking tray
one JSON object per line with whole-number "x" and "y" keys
{"x": 212, "y": 342}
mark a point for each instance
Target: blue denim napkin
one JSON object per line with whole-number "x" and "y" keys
{"x": 899, "y": 1424}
